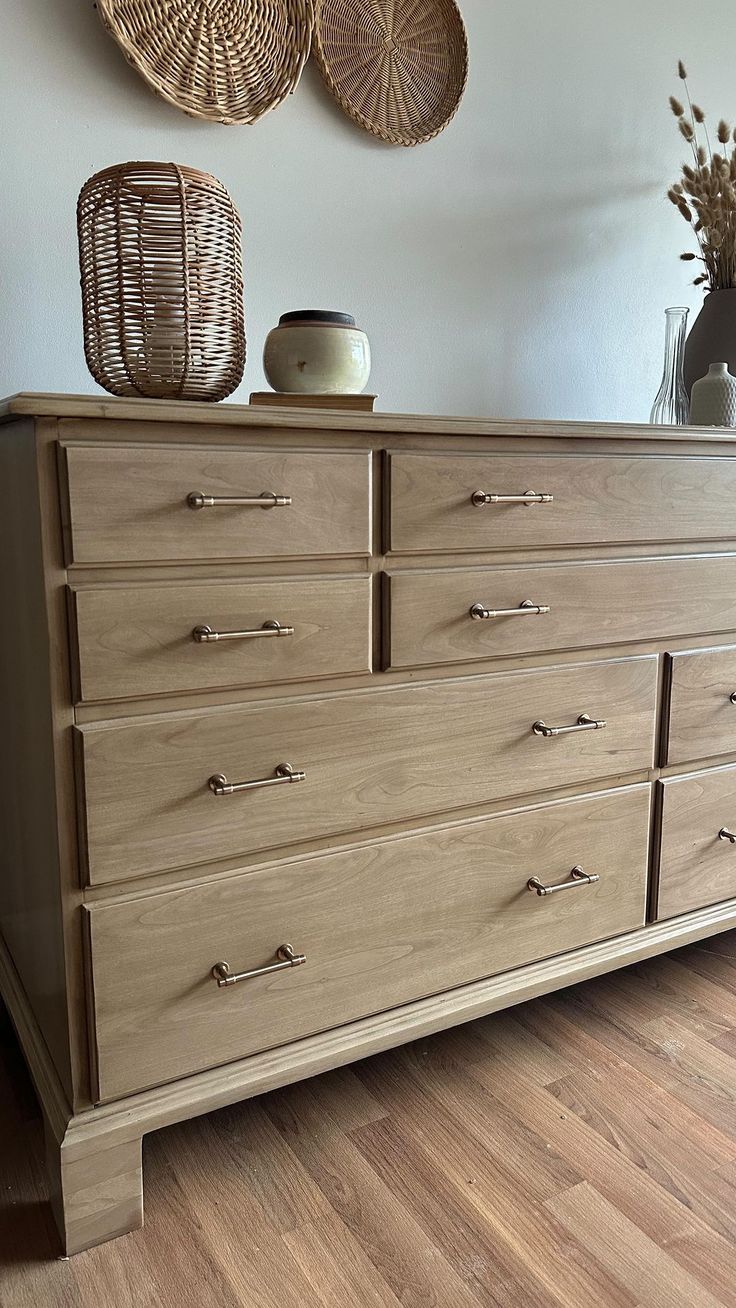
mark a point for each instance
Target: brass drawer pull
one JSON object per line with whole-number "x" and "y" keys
{"x": 584, "y": 723}
{"x": 577, "y": 878}
{"x": 287, "y": 958}
{"x": 204, "y": 634}
{"x": 283, "y": 775}
{"x": 479, "y": 612}
{"x": 266, "y": 500}
{"x": 725, "y": 834}
{"x": 479, "y": 498}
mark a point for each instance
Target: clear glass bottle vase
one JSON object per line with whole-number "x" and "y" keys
{"x": 671, "y": 407}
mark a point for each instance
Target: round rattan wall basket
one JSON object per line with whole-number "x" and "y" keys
{"x": 229, "y": 61}
{"x": 162, "y": 283}
{"x": 397, "y": 67}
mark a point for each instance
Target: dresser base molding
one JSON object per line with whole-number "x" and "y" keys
{"x": 94, "y": 1157}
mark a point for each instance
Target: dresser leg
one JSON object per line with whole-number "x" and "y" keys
{"x": 96, "y": 1187}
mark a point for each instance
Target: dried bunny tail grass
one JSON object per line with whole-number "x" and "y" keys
{"x": 705, "y": 193}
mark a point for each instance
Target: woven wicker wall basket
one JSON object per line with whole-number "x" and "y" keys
{"x": 229, "y": 61}
{"x": 397, "y": 67}
{"x": 162, "y": 285}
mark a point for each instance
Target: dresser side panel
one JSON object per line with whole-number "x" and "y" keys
{"x": 30, "y": 894}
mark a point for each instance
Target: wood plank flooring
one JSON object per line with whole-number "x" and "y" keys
{"x": 576, "y": 1152}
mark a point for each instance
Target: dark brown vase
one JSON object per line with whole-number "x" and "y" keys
{"x": 712, "y": 337}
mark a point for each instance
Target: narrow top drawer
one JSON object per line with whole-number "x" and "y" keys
{"x": 437, "y": 500}
{"x": 131, "y": 504}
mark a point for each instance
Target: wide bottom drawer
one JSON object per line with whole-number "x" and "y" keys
{"x": 698, "y": 859}
{"x": 378, "y": 925}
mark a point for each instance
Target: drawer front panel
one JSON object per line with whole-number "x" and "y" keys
{"x": 697, "y": 865}
{"x": 589, "y": 604}
{"x": 379, "y": 926}
{"x": 369, "y": 757}
{"x": 146, "y": 640}
{"x": 130, "y": 503}
{"x": 596, "y": 498}
{"x": 702, "y": 720}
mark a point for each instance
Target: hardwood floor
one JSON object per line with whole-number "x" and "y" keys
{"x": 576, "y": 1152}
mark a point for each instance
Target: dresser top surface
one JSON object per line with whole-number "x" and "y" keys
{"x": 37, "y": 405}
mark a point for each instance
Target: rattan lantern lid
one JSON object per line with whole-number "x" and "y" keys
{"x": 229, "y": 63}
{"x": 397, "y": 67}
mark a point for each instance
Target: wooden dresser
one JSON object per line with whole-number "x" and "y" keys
{"x": 306, "y": 717}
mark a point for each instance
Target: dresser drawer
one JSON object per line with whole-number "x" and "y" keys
{"x": 431, "y": 613}
{"x": 697, "y": 864}
{"x": 595, "y": 498}
{"x": 368, "y": 758}
{"x": 379, "y": 925}
{"x": 149, "y": 640}
{"x": 130, "y": 504}
{"x": 702, "y": 704}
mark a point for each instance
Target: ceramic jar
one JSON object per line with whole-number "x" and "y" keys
{"x": 713, "y": 398}
{"x": 315, "y": 352}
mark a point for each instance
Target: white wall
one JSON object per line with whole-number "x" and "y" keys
{"x": 516, "y": 266}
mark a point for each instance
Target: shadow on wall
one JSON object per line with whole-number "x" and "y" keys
{"x": 75, "y": 31}
{"x": 533, "y": 311}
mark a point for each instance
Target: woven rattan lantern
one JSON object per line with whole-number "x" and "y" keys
{"x": 162, "y": 283}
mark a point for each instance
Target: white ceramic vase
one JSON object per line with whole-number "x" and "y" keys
{"x": 713, "y": 398}
{"x": 315, "y": 352}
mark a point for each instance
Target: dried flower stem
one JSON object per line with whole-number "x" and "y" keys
{"x": 705, "y": 195}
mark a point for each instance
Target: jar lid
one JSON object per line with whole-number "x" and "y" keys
{"x": 318, "y": 315}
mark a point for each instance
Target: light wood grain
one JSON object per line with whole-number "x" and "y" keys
{"x": 702, "y": 719}
{"x": 696, "y": 867}
{"x": 129, "y": 504}
{"x": 95, "y": 1196}
{"x": 433, "y": 748}
{"x": 596, "y": 498}
{"x": 591, "y": 604}
{"x": 379, "y": 925}
{"x": 137, "y": 640}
